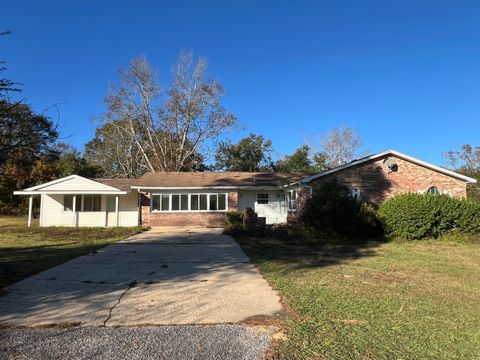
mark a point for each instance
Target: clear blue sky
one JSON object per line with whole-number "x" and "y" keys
{"x": 403, "y": 74}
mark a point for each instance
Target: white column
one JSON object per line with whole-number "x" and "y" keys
{"x": 74, "y": 210}
{"x": 116, "y": 209}
{"x": 30, "y": 206}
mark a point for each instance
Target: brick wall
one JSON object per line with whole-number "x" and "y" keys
{"x": 377, "y": 183}
{"x": 149, "y": 218}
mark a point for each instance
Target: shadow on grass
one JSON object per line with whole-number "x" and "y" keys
{"x": 301, "y": 254}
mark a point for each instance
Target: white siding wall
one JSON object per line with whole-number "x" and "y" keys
{"x": 52, "y": 213}
{"x": 128, "y": 210}
{"x": 274, "y": 211}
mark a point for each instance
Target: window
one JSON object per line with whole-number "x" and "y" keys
{"x": 165, "y": 202}
{"x": 213, "y": 202}
{"x": 155, "y": 202}
{"x": 184, "y": 202}
{"x": 292, "y": 200}
{"x": 203, "y": 202}
{"x": 222, "y": 202}
{"x": 180, "y": 202}
{"x": 111, "y": 204}
{"x": 262, "y": 198}
{"x": 356, "y": 193}
{"x": 175, "y": 202}
{"x": 68, "y": 202}
{"x": 194, "y": 202}
{"x": 189, "y": 202}
{"x": 92, "y": 202}
{"x": 433, "y": 190}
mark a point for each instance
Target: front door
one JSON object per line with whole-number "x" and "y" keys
{"x": 271, "y": 206}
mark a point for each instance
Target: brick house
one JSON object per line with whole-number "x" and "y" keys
{"x": 202, "y": 198}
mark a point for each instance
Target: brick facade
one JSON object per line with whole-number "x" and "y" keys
{"x": 179, "y": 218}
{"x": 378, "y": 183}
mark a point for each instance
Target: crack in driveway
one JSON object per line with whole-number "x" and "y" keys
{"x": 131, "y": 285}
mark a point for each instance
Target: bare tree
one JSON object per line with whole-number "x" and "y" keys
{"x": 340, "y": 146}
{"x": 170, "y": 129}
{"x": 467, "y": 159}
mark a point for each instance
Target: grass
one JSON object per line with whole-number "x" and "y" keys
{"x": 26, "y": 251}
{"x": 376, "y": 300}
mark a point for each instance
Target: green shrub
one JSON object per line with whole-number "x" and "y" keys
{"x": 332, "y": 211}
{"x": 233, "y": 222}
{"x": 415, "y": 216}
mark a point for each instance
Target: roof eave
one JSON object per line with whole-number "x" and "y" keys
{"x": 213, "y": 187}
{"x": 71, "y": 192}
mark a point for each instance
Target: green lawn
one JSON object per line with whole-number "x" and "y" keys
{"x": 396, "y": 300}
{"x": 26, "y": 251}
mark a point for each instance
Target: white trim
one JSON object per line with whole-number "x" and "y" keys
{"x": 177, "y": 188}
{"x": 38, "y": 188}
{"x": 397, "y": 154}
{"x": 71, "y": 192}
{"x": 74, "y": 210}
{"x": 116, "y": 211}
{"x": 30, "y": 206}
{"x": 289, "y": 200}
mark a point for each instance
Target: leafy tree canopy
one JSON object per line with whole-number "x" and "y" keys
{"x": 70, "y": 161}
{"x": 252, "y": 153}
{"x": 302, "y": 160}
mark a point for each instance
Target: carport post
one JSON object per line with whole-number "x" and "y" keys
{"x": 116, "y": 209}
{"x": 30, "y": 206}
{"x": 74, "y": 210}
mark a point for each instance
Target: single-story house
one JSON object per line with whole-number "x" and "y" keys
{"x": 202, "y": 198}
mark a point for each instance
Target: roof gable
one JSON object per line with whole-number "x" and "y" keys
{"x": 397, "y": 154}
{"x": 72, "y": 183}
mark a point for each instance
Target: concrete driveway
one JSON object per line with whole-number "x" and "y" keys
{"x": 160, "y": 277}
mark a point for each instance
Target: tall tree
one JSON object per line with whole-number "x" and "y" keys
{"x": 23, "y": 131}
{"x": 114, "y": 153}
{"x": 253, "y": 153}
{"x": 467, "y": 159}
{"x": 6, "y": 85}
{"x": 164, "y": 131}
{"x": 302, "y": 160}
{"x": 26, "y": 156}
{"x": 340, "y": 146}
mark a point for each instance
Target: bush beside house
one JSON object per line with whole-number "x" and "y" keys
{"x": 415, "y": 216}
{"x": 331, "y": 210}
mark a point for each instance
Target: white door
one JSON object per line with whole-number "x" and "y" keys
{"x": 271, "y": 206}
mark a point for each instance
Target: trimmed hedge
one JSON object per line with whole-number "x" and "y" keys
{"x": 415, "y": 216}
{"x": 331, "y": 210}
